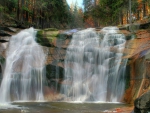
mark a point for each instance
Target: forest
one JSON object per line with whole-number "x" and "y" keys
{"x": 58, "y": 14}
{"x": 39, "y": 13}
{"x": 114, "y": 12}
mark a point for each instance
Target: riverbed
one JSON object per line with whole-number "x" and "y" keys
{"x": 64, "y": 107}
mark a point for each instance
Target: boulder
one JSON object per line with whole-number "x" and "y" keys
{"x": 54, "y": 38}
{"x": 142, "y": 104}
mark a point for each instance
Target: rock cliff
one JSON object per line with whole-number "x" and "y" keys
{"x": 55, "y": 42}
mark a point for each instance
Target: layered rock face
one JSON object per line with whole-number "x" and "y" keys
{"x": 55, "y": 54}
{"x": 142, "y": 97}
{"x": 137, "y": 52}
{"x": 138, "y": 75}
{"x": 5, "y": 34}
{"x": 55, "y": 42}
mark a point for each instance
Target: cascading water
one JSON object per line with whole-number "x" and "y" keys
{"x": 93, "y": 70}
{"x": 23, "y": 74}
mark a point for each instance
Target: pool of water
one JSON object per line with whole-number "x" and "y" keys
{"x": 60, "y": 107}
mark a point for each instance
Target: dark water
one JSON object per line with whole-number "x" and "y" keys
{"x": 59, "y": 107}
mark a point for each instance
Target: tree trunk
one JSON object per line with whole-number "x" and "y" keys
{"x": 138, "y": 15}
{"x": 40, "y": 19}
{"x": 127, "y": 17}
{"x": 121, "y": 18}
{"x": 144, "y": 9}
{"x": 21, "y": 11}
{"x": 18, "y": 10}
{"x": 33, "y": 2}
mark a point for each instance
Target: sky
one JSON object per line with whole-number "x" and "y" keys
{"x": 80, "y": 2}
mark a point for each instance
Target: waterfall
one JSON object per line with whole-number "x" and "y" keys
{"x": 94, "y": 66}
{"x": 23, "y": 74}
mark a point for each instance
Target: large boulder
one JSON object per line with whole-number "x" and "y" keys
{"x": 52, "y": 37}
{"x": 142, "y": 104}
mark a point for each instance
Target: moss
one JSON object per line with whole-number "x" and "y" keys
{"x": 2, "y": 60}
{"x": 52, "y": 39}
{"x": 120, "y": 25}
{"x": 52, "y": 33}
{"x": 40, "y": 38}
{"x": 39, "y": 34}
{"x": 51, "y": 29}
{"x": 47, "y": 36}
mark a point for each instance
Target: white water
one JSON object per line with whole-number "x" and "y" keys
{"x": 93, "y": 66}
{"x": 23, "y": 74}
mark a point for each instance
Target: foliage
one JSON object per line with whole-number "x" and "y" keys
{"x": 88, "y": 4}
{"x": 2, "y": 60}
{"x": 76, "y": 17}
{"x": 38, "y": 13}
{"x": 134, "y": 6}
{"x": 41, "y": 38}
{"x": 112, "y": 12}
{"x": 1, "y": 8}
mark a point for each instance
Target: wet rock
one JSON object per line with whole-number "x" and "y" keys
{"x": 12, "y": 29}
{"x": 54, "y": 76}
{"x": 142, "y": 104}
{"x": 45, "y": 37}
{"x": 127, "y": 34}
{"x": 4, "y": 33}
{"x": 41, "y": 39}
{"x": 4, "y": 39}
{"x": 0, "y": 72}
{"x": 3, "y": 47}
{"x": 9, "y": 29}
{"x": 144, "y": 25}
{"x": 51, "y": 94}
{"x": 52, "y": 70}
{"x": 55, "y": 56}
{"x": 122, "y": 28}
{"x": 2, "y": 61}
{"x": 53, "y": 38}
